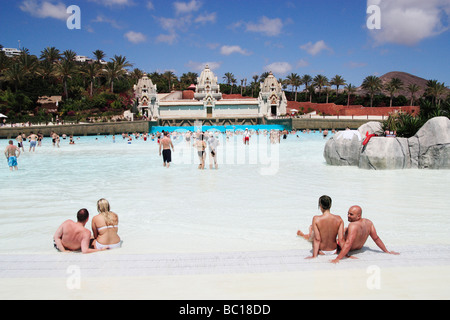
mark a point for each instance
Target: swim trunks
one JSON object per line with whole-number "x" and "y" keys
{"x": 32, "y": 144}
{"x": 12, "y": 161}
{"x": 167, "y": 155}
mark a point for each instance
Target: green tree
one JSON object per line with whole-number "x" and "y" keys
{"x": 295, "y": 81}
{"x": 413, "y": 89}
{"x": 393, "y": 86}
{"x": 350, "y": 90}
{"x": 320, "y": 81}
{"x": 337, "y": 81}
{"x": 373, "y": 85}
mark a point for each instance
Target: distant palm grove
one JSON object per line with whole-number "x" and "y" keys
{"x": 99, "y": 89}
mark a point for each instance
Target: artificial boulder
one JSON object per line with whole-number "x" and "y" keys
{"x": 385, "y": 153}
{"x": 429, "y": 148}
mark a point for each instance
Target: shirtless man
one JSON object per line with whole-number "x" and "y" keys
{"x": 12, "y": 153}
{"x": 33, "y": 141}
{"x": 325, "y": 229}
{"x": 357, "y": 233}
{"x": 166, "y": 144}
{"x": 20, "y": 142}
{"x": 73, "y": 236}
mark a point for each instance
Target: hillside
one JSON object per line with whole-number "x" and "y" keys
{"x": 407, "y": 79}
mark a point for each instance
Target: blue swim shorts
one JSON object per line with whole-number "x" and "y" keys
{"x": 32, "y": 144}
{"x": 12, "y": 161}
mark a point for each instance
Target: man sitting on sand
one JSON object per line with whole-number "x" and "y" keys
{"x": 325, "y": 229}
{"x": 357, "y": 233}
{"x": 73, "y": 236}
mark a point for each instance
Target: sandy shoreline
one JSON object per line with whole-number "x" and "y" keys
{"x": 418, "y": 273}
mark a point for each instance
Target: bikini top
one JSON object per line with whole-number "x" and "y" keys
{"x": 107, "y": 227}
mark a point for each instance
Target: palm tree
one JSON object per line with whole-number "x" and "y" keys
{"x": 320, "y": 81}
{"x": 311, "y": 89}
{"x": 337, "y": 81}
{"x": 392, "y": 87}
{"x": 170, "y": 77}
{"x": 50, "y": 54}
{"x": 435, "y": 89}
{"x": 230, "y": 80}
{"x": 295, "y": 81}
{"x": 373, "y": 85}
{"x": 350, "y": 90}
{"x": 14, "y": 74}
{"x": 69, "y": 55}
{"x": 255, "y": 83}
{"x": 306, "y": 79}
{"x": 115, "y": 69}
{"x": 99, "y": 55}
{"x": 91, "y": 71}
{"x": 65, "y": 70}
{"x": 413, "y": 88}
{"x": 189, "y": 78}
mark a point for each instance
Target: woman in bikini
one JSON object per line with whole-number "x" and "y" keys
{"x": 105, "y": 227}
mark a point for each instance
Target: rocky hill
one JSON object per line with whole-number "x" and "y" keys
{"x": 407, "y": 79}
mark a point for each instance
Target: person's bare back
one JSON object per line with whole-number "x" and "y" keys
{"x": 327, "y": 227}
{"x": 72, "y": 235}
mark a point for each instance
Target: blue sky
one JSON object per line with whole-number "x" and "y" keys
{"x": 245, "y": 37}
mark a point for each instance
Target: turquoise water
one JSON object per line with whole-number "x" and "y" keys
{"x": 257, "y": 199}
{"x": 217, "y": 128}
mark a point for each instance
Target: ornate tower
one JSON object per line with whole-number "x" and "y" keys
{"x": 272, "y": 99}
{"x": 146, "y": 97}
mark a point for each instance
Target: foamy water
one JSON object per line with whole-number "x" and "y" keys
{"x": 257, "y": 199}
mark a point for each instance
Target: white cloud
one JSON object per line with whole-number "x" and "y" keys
{"x": 187, "y": 7}
{"x": 135, "y": 37}
{"x": 45, "y": 9}
{"x": 112, "y": 22}
{"x": 111, "y": 3}
{"x": 150, "y": 5}
{"x": 279, "y": 68}
{"x": 205, "y": 18}
{"x": 408, "y": 22}
{"x": 315, "y": 48}
{"x": 170, "y": 38}
{"x": 227, "y": 50}
{"x": 269, "y": 27}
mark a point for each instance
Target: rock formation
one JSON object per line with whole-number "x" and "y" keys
{"x": 428, "y": 149}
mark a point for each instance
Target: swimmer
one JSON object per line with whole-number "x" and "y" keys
{"x": 33, "y": 141}
{"x": 165, "y": 143}
{"x": 357, "y": 233}
{"x": 200, "y": 144}
{"x": 12, "y": 153}
{"x": 73, "y": 236}
{"x": 19, "y": 140}
{"x": 213, "y": 143}
{"x": 324, "y": 231}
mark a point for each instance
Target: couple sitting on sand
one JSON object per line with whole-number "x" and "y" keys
{"x": 328, "y": 235}
{"x": 73, "y": 236}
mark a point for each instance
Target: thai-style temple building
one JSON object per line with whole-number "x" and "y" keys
{"x": 206, "y": 103}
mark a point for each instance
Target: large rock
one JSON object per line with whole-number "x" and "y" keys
{"x": 343, "y": 149}
{"x": 430, "y": 147}
{"x": 385, "y": 153}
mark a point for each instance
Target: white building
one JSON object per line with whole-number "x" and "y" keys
{"x": 208, "y": 103}
{"x": 11, "y": 52}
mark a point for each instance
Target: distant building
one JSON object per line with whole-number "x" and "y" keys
{"x": 207, "y": 102}
{"x": 11, "y": 52}
{"x": 50, "y": 104}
